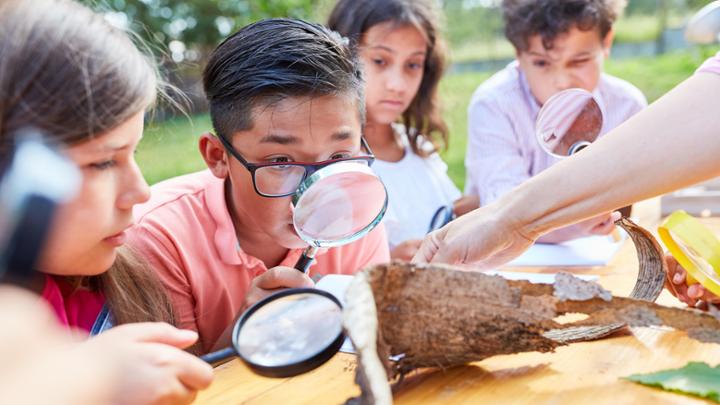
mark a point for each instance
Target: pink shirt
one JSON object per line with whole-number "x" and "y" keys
{"x": 74, "y": 308}
{"x": 186, "y": 233}
{"x": 711, "y": 65}
{"x": 502, "y": 149}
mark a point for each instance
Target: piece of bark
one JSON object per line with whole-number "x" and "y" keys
{"x": 438, "y": 316}
{"x": 648, "y": 286}
{"x": 441, "y": 316}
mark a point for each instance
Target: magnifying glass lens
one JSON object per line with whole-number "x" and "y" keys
{"x": 289, "y": 330}
{"x": 568, "y": 122}
{"x": 343, "y": 203}
{"x": 707, "y": 274}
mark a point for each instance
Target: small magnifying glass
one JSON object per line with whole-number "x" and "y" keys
{"x": 704, "y": 26}
{"x": 568, "y": 122}
{"x": 442, "y": 217}
{"x": 336, "y": 205}
{"x": 286, "y": 334}
{"x": 695, "y": 247}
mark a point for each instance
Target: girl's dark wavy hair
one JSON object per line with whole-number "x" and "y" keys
{"x": 423, "y": 118}
{"x": 551, "y": 18}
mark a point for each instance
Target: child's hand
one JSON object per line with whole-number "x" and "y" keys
{"x": 275, "y": 279}
{"x": 139, "y": 363}
{"x": 406, "y": 250}
{"x": 147, "y": 364}
{"x": 465, "y": 204}
{"x": 693, "y": 295}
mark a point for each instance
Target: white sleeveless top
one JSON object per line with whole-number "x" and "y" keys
{"x": 416, "y": 187}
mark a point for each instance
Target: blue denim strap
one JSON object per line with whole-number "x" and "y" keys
{"x": 103, "y": 322}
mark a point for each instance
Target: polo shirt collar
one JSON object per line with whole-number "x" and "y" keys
{"x": 225, "y": 239}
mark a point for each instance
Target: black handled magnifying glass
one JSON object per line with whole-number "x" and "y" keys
{"x": 442, "y": 217}
{"x": 286, "y": 334}
{"x": 568, "y": 122}
{"x": 35, "y": 181}
{"x": 336, "y": 205}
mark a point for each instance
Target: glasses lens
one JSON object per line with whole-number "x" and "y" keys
{"x": 279, "y": 179}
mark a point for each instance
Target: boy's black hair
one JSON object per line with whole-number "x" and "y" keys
{"x": 271, "y": 60}
{"x": 550, "y": 18}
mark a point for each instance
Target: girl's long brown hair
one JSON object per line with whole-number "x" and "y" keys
{"x": 65, "y": 71}
{"x": 423, "y": 118}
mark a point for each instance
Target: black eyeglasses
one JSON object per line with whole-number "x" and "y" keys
{"x": 282, "y": 179}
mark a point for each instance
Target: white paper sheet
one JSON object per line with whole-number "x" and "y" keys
{"x": 584, "y": 252}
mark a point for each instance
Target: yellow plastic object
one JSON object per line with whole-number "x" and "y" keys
{"x": 695, "y": 247}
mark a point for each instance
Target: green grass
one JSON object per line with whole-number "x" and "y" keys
{"x": 628, "y": 29}
{"x": 170, "y": 148}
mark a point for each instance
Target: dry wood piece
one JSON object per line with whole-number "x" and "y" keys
{"x": 440, "y": 316}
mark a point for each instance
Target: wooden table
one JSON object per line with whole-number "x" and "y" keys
{"x": 582, "y": 373}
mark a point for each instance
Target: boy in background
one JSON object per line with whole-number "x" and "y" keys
{"x": 559, "y": 44}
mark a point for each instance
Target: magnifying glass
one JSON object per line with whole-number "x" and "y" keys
{"x": 695, "y": 247}
{"x": 286, "y": 334}
{"x": 704, "y": 26}
{"x": 33, "y": 184}
{"x": 568, "y": 122}
{"x": 336, "y": 205}
{"x": 442, "y": 217}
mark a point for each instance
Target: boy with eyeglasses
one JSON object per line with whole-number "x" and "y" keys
{"x": 286, "y": 98}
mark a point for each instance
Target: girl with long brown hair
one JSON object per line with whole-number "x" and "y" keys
{"x": 67, "y": 73}
{"x": 403, "y": 55}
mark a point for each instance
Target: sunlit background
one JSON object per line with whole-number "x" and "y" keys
{"x": 650, "y": 52}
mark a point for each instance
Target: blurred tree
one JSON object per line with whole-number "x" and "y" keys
{"x": 472, "y": 20}
{"x": 192, "y": 28}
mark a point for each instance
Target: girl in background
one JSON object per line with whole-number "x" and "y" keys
{"x": 403, "y": 56}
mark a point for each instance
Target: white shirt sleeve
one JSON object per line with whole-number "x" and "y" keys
{"x": 494, "y": 162}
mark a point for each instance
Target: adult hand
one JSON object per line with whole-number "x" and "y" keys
{"x": 694, "y": 295}
{"x": 482, "y": 237}
{"x": 275, "y": 279}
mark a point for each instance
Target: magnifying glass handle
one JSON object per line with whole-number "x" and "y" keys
{"x": 219, "y": 357}
{"x": 304, "y": 262}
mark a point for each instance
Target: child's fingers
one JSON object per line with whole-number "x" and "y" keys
{"x": 194, "y": 373}
{"x": 603, "y": 228}
{"x": 155, "y": 332}
{"x": 283, "y": 277}
{"x": 679, "y": 277}
{"x": 675, "y": 272}
{"x": 695, "y": 291}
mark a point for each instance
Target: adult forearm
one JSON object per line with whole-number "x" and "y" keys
{"x": 673, "y": 143}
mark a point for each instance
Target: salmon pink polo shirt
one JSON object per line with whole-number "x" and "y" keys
{"x": 186, "y": 233}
